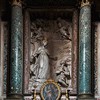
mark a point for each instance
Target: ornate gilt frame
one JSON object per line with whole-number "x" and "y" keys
{"x": 50, "y": 81}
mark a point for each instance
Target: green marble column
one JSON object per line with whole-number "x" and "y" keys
{"x": 84, "y": 78}
{"x": 16, "y": 54}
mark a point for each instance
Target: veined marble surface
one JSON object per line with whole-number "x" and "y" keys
{"x": 85, "y": 50}
{"x": 16, "y": 57}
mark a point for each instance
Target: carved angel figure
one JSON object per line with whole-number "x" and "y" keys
{"x": 36, "y": 32}
{"x": 64, "y": 31}
{"x": 63, "y": 74}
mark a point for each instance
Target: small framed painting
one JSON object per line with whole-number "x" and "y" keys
{"x": 50, "y": 90}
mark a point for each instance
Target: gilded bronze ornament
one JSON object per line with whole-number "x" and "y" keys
{"x": 85, "y": 3}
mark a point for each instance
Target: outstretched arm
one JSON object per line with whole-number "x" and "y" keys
{"x": 53, "y": 58}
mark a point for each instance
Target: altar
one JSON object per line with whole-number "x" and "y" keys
{"x": 49, "y": 50}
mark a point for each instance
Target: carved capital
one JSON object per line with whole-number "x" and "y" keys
{"x": 16, "y": 2}
{"x": 85, "y": 3}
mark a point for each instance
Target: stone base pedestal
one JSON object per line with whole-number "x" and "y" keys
{"x": 86, "y": 99}
{"x": 13, "y": 99}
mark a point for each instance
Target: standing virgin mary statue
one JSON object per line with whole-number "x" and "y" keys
{"x": 40, "y": 68}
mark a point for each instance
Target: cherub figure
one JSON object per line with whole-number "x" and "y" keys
{"x": 63, "y": 74}
{"x": 64, "y": 31}
{"x": 36, "y": 32}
